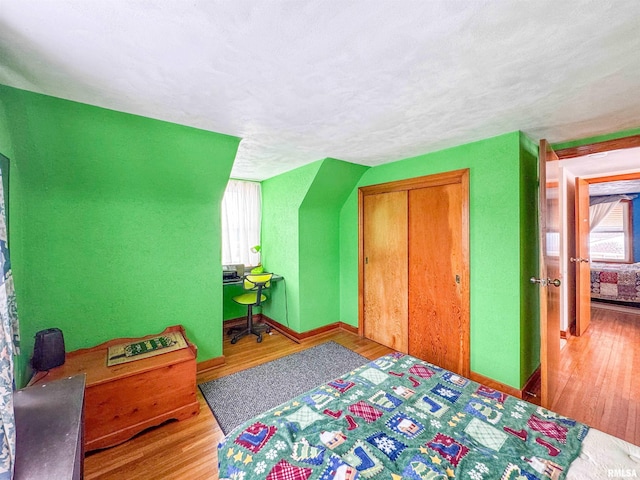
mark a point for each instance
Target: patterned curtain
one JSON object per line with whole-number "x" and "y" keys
{"x": 9, "y": 345}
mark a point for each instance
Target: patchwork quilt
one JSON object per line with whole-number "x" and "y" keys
{"x": 396, "y": 418}
{"x": 619, "y": 281}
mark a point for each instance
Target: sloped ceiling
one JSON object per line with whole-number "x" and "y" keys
{"x": 363, "y": 81}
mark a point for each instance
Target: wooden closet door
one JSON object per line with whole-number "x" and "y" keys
{"x": 438, "y": 308}
{"x": 385, "y": 269}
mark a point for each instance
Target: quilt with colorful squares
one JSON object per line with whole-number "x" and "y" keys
{"x": 616, "y": 281}
{"x": 396, "y": 418}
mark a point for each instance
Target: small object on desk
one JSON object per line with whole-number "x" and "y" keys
{"x": 232, "y": 273}
{"x": 128, "y": 352}
{"x": 48, "y": 350}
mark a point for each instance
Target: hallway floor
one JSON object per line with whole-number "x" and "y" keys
{"x": 599, "y": 381}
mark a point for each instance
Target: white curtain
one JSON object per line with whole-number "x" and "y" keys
{"x": 241, "y": 216}
{"x": 599, "y": 212}
{"x": 601, "y": 206}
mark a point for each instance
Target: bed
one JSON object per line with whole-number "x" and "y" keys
{"x": 398, "y": 417}
{"x": 616, "y": 281}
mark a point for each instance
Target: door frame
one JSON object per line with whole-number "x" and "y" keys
{"x": 437, "y": 179}
{"x": 583, "y": 289}
{"x": 631, "y": 141}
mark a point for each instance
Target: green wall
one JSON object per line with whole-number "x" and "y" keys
{"x": 115, "y": 222}
{"x": 310, "y": 232}
{"x": 115, "y": 231}
{"x": 320, "y": 241}
{"x": 281, "y": 199}
{"x": 529, "y": 259}
{"x": 230, "y": 309}
{"x": 301, "y": 241}
{"x": 500, "y": 254}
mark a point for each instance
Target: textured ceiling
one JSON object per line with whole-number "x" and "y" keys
{"x": 613, "y": 188}
{"x": 363, "y": 81}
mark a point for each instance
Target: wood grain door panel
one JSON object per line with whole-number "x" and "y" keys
{"x": 411, "y": 232}
{"x": 385, "y": 269}
{"x": 583, "y": 268}
{"x": 549, "y": 268}
{"x": 438, "y": 323}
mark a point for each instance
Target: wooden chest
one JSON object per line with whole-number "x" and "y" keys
{"x": 123, "y": 400}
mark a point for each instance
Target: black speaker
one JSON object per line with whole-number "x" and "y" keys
{"x": 48, "y": 351}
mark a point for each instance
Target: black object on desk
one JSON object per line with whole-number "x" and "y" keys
{"x": 232, "y": 273}
{"x": 50, "y": 430}
{"x": 48, "y": 351}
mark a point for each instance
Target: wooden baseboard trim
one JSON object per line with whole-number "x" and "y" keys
{"x": 295, "y": 336}
{"x": 530, "y": 385}
{"x": 232, "y": 322}
{"x": 286, "y": 331}
{"x": 301, "y": 337}
{"x": 489, "y": 382}
{"x": 348, "y": 328}
{"x": 210, "y": 364}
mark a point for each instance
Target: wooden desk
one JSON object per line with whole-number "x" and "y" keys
{"x": 240, "y": 280}
{"x": 123, "y": 400}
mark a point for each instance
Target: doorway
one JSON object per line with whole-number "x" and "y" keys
{"x": 599, "y": 164}
{"x": 606, "y": 264}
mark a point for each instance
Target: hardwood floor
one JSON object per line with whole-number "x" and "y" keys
{"x": 188, "y": 449}
{"x": 599, "y": 382}
{"x": 599, "y": 386}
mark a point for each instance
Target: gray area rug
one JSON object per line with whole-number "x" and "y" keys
{"x": 236, "y": 398}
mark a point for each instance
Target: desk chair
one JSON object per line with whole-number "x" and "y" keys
{"x": 254, "y": 285}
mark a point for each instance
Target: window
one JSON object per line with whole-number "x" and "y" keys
{"x": 610, "y": 240}
{"x": 241, "y": 214}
